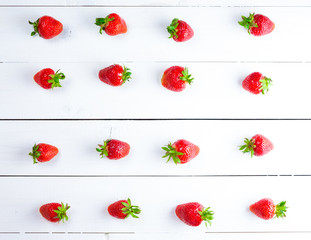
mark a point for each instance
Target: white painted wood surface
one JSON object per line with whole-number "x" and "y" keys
{"x": 219, "y": 56}
{"x": 215, "y": 93}
{"x": 89, "y": 198}
{"x": 164, "y": 236}
{"x": 214, "y": 236}
{"x": 218, "y": 142}
{"x": 218, "y": 36}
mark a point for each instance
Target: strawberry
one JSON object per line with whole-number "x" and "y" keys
{"x": 43, "y": 152}
{"x": 257, "y": 24}
{"x": 266, "y": 209}
{"x": 176, "y": 78}
{"x": 123, "y": 208}
{"x": 256, "y": 83}
{"x": 48, "y": 79}
{"x": 258, "y": 145}
{"x": 193, "y": 213}
{"x": 181, "y": 151}
{"x": 180, "y": 31}
{"x": 113, "y": 24}
{"x": 47, "y": 27}
{"x": 115, "y": 75}
{"x": 114, "y": 149}
{"x": 54, "y": 212}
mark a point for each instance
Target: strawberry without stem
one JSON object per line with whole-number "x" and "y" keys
{"x": 257, "y": 83}
{"x": 258, "y": 145}
{"x": 123, "y": 209}
{"x": 48, "y": 79}
{"x": 54, "y": 212}
{"x": 47, "y": 27}
{"x": 43, "y": 152}
{"x": 194, "y": 213}
{"x": 266, "y": 209}
{"x": 113, "y": 24}
{"x": 181, "y": 151}
{"x": 176, "y": 78}
{"x": 257, "y": 24}
{"x": 114, "y": 149}
{"x": 180, "y": 31}
{"x": 115, "y": 75}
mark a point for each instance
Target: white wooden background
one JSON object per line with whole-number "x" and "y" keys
{"x": 216, "y": 114}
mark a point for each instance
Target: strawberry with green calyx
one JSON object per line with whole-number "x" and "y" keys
{"x": 266, "y": 209}
{"x": 48, "y": 79}
{"x": 257, "y": 24}
{"x": 180, "y": 31}
{"x": 181, "y": 151}
{"x": 114, "y": 149}
{"x": 115, "y": 75}
{"x": 113, "y": 24}
{"x": 123, "y": 209}
{"x": 54, "y": 212}
{"x": 43, "y": 152}
{"x": 258, "y": 145}
{"x": 193, "y": 213}
{"x": 257, "y": 83}
{"x": 47, "y": 27}
{"x": 176, "y": 78}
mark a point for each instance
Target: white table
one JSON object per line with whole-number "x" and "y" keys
{"x": 215, "y": 113}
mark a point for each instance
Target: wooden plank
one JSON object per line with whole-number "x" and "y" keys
{"x": 218, "y": 142}
{"x": 53, "y": 236}
{"x": 156, "y": 3}
{"x": 148, "y": 38}
{"x": 229, "y": 197}
{"x": 215, "y": 93}
{"x": 212, "y": 236}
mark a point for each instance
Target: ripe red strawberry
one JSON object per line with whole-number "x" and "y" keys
{"x": 54, "y": 212}
{"x": 48, "y": 79}
{"x": 123, "y": 208}
{"x": 257, "y": 145}
{"x": 114, "y": 149}
{"x": 43, "y": 152}
{"x": 266, "y": 209}
{"x": 181, "y": 151}
{"x": 257, "y": 24}
{"x": 180, "y": 31}
{"x": 256, "y": 83}
{"x": 176, "y": 78}
{"x": 47, "y": 27}
{"x": 115, "y": 75}
{"x": 113, "y": 24}
{"x": 193, "y": 213}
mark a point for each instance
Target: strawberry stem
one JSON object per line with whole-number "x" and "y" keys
{"x": 248, "y": 22}
{"x": 35, "y": 27}
{"x": 130, "y": 210}
{"x": 102, "y": 22}
{"x": 55, "y": 79}
{"x": 280, "y": 210}
{"x": 207, "y": 216}
{"x": 186, "y": 76}
{"x": 171, "y": 153}
{"x": 249, "y": 146}
{"x": 126, "y": 75}
{"x": 265, "y": 84}
{"x": 103, "y": 149}
{"x": 61, "y": 212}
{"x": 172, "y": 29}
{"x": 35, "y": 153}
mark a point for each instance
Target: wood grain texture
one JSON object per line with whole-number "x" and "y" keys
{"x": 229, "y": 197}
{"x": 218, "y": 142}
{"x": 218, "y": 36}
{"x": 215, "y": 93}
